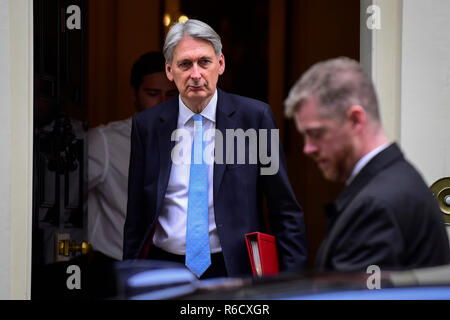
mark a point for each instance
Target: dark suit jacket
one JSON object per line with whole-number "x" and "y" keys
{"x": 387, "y": 216}
{"x": 237, "y": 189}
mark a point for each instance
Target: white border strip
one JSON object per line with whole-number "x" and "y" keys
{"x": 21, "y": 33}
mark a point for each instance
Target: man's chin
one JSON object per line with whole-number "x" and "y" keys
{"x": 329, "y": 175}
{"x": 198, "y": 94}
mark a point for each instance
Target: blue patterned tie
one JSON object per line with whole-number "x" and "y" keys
{"x": 198, "y": 256}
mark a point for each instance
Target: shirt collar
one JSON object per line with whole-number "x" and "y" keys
{"x": 209, "y": 112}
{"x": 363, "y": 161}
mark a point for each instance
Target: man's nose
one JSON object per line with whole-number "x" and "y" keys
{"x": 309, "y": 148}
{"x": 195, "y": 72}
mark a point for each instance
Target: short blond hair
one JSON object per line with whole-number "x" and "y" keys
{"x": 337, "y": 84}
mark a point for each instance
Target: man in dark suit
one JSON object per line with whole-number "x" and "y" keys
{"x": 162, "y": 189}
{"x": 386, "y": 215}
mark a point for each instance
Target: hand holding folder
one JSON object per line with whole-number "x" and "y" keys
{"x": 262, "y": 250}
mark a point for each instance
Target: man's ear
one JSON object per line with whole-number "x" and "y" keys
{"x": 169, "y": 71}
{"x": 357, "y": 116}
{"x": 221, "y": 64}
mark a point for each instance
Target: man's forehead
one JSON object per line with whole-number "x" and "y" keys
{"x": 190, "y": 57}
{"x": 191, "y": 47}
{"x": 309, "y": 126}
{"x": 308, "y": 119}
{"x": 306, "y": 110}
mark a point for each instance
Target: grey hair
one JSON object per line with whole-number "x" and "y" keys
{"x": 192, "y": 28}
{"x": 336, "y": 84}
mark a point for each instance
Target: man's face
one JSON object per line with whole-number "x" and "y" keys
{"x": 195, "y": 70}
{"x": 154, "y": 89}
{"x": 327, "y": 141}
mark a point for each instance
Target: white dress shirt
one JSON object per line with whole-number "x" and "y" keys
{"x": 109, "y": 159}
{"x": 363, "y": 161}
{"x": 170, "y": 233}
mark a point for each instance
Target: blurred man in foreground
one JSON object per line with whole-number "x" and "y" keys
{"x": 386, "y": 215}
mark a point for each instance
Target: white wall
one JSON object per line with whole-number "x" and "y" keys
{"x": 425, "y": 87}
{"x": 21, "y": 77}
{"x": 5, "y": 145}
{"x": 16, "y": 67}
{"x": 380, "y": 55}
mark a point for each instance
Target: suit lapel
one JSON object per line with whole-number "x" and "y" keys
{"x": 225, "y": 119}
{"x": 167, "y": 125}
{"x": 372, "y": 168}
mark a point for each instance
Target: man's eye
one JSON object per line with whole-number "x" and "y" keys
{"x": 316, "y": 134}
{"x": 152, "y": 93}
{"x": 204, "y": 62}
{"x": 184, "y": 65}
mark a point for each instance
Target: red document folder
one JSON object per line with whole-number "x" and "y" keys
{"x": 262, "y": 250}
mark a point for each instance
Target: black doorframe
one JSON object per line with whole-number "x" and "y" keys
{"x": 59, "y": 157}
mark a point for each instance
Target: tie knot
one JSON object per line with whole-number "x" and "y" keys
{"x": 197, "y": 117}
